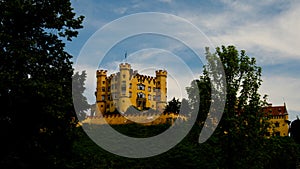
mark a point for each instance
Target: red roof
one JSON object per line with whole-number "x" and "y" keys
{"x": 276, "y": 110}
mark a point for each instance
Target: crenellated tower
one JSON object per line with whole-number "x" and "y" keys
{"x": 161, "y": 89}
{"x": 101, "y": 92}
{"x": 123, "y": 86}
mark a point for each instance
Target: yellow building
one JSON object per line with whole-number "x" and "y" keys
{"x": 129, "y": 88}
{"x": 278, "y": 119}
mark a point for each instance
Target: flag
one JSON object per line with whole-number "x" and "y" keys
{"x": 125, "y": 54}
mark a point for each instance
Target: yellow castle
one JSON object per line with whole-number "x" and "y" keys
{"x": 278, "y": 119}
{"x": 127, "y": 88}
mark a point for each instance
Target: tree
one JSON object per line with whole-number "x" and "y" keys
{"x": 173, "y": 106}
{"x": 37, "y": 114}
{"x": 241, "y": 131}
{"x": 79, "y": 100}
{"x": 185, "y": 108}
{"x": 295, "y": 130}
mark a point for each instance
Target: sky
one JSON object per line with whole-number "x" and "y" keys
{"x": 172, "y": 35}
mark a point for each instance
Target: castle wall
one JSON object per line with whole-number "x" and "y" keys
{"x": 149, "y": 119}
{"x": 279, "y": 125}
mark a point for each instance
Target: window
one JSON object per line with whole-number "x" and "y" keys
{"x": 103, "y": 89}
{"x": 108, "y": 97}
{"x": 114, "y": 96}
{"x": 141, "y": 95}
{"x": 149, "y": 89}
{"x": 130, "y": 85}
{"x": 124, "y": 76}
{"x": 139, "y": 104}
{"x": 158, "y": 83}
{"x": 103, "y": 97}
{"x": 141, "y": 87}
{"x": 130, "y": 94}
{"x": 276, "y": 124}
{"x": 108, "y": 89}
{"x": 149, "y": 96}
{"x": 154, "y": 89}
{"x": 157, "y": 89}
{"x": 158, "y": 98}
{"x": 103, "y": 82}
{"x": 123, "y": 87}
{"x": 154, "y": 98}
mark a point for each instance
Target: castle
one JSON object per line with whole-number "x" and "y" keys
{"x": 278, "y": 119}
{"x": 128, "y": 88}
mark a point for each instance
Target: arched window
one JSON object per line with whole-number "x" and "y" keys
{"x": 141, "y": 86}
{"x": 141, "y": 95}
{"x": 123, "y": 87}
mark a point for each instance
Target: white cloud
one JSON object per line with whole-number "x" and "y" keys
{"x": 282, "y": 89}
{"x": 121, "y": 10}
{"x": 271, "y": 38}
{"x": 239, "y": 5}
{"x": 165, "y": 1}
{"x": 258, "y": 33}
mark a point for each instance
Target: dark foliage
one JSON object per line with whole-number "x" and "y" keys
{"x": 279, "y": 152}
{"x": 295, "y": 130}
{"x": 37, "y": 116}
{"x": 173, "y": 106}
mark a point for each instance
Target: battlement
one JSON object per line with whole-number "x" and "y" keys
{"x": 161, "y": 73}
{"x": 101, "y": 72}
{"x": 112, "y": 76}
{"x": 144, "y": 77}
{"x": 125, "y": 66}
{"x": 146, "y": 119}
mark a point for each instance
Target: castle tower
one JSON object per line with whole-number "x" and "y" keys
{"x": 101, "y": 93}
{"x": 161, "y": 89}
{"x": 123, "y": 86}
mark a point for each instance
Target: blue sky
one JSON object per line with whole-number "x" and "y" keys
{"x": 267, "y": 30}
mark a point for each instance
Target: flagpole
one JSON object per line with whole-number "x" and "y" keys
{"x": 126, "y": 57}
